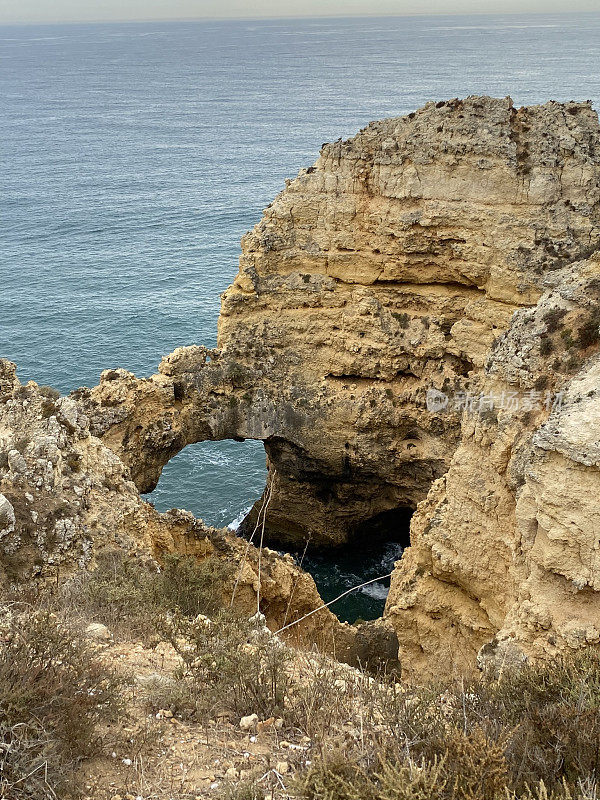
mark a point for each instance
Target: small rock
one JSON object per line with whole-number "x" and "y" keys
{"x": 232, "y": 774}
{"x": 7, "y": 516}
{"x": 98, "y": 631}
{"x": 282, "y": 767}
{"x": 16, "y": 462}
{"x": 249, "y": 723}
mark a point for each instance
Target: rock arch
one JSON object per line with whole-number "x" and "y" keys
{"x": 422, "y": 254}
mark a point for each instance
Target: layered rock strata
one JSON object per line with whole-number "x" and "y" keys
{"x": 450, "y": 251}
{"x": 386, "y": 269}
{"x": 65, "y": 498}
{"x": 504, "y": 562}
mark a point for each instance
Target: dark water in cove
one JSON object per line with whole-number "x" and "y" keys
{"x": 135, "y": 156}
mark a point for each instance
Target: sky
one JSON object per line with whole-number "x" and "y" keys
{"x": 28, "y": 11}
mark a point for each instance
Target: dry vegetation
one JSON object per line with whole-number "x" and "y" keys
{"x": 322, "y": 730}
{"x": 53, "y": 693}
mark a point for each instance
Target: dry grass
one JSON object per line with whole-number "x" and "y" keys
{"x": 53, "y": 694}
{"x": 531, "y": 733}
{"x": 230, "y": 666}
{"x": 132, "y": 598}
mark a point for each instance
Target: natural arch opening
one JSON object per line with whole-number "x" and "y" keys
{"x": 217, "y": 481}
{"x": 220, "y": 481}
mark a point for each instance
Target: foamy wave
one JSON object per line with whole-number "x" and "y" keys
{"x": 376, "y": 590}
{"x": 235, "y": 524}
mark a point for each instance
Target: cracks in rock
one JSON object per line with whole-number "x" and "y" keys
{"x": 518, "y": 129}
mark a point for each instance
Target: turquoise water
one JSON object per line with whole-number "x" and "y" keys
{"x": 135, "y": 156}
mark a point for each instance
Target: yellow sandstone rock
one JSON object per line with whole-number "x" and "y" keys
{"x": 447, "y": 254}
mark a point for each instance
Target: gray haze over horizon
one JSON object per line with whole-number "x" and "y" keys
{"x": 55, "y": 11}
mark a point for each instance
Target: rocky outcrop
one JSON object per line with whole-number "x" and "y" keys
{"x": 65, "y": 498}
{"x": 383, "y": 271}
{"x": 504, "y": 554}
{"x": 448, "y": 255}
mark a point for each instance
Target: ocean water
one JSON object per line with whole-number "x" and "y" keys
{"x": 134, "y": 157}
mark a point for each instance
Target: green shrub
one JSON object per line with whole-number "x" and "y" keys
{"x": 553, "y": 318}
{"x": 531, "y": 734}
{"x": 49, "y": 391}
{"x": 49, "y": 397}
{"x": 475, "y": 764}
{"x": 236, "y": 373}
{"x": 191, "y": 586}
{"x": 243, "y": 791}
{"x": 413, "y": 782}
{"x": 588, "y": 334}
{"x": 402, "y": 319}
{"x": 553, "y": 714}
{"x": 572, "y": 364}
{"x": 567, "y": 337}
{"x": 335, "y": 778}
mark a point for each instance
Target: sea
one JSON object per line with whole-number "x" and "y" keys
{"x": 134, "y": 156}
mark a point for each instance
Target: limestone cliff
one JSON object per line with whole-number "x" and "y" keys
{"x": 65, "y": 497}
{"x": 430, "y": 252}
{"x": 505, "y": 548}
{"x": 386, "y": 269}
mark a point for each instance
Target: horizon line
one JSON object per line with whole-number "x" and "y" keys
{"x": 295, "y": 17}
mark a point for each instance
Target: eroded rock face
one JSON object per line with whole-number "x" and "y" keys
{"x": 385, "y": 270}
{"x": 65, "y": 498}
{"x": 451, "y": 250}
{"x": 504, "y": 554}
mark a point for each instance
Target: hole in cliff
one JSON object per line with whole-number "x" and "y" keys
{"x": 216, "y": 481}
{"x": 376, "y": 545}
